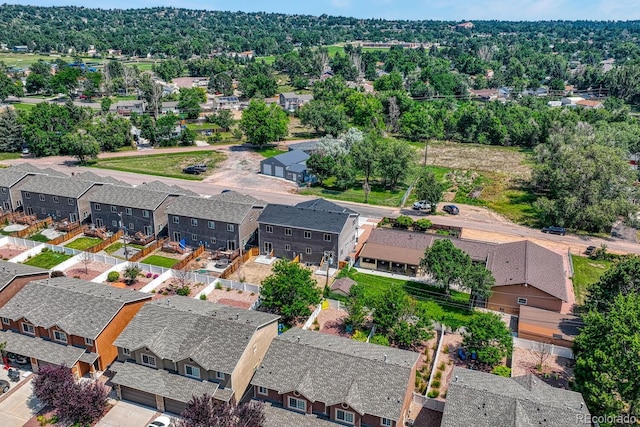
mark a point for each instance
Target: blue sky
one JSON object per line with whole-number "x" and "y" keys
{"x": 514, "y": 10}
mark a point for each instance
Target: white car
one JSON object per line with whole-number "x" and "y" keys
{"x": 422, "y": 205}
{"x": 161, "y": 421}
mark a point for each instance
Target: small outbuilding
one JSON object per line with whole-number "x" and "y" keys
{"x": 343, "y": 286}
{"x": 291, "y": 165}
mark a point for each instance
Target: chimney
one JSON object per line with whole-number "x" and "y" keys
{"x": 237, "y": 316}
{"x": 581, "y": 405}
{"x": 298, "y": 339}
{"x": 385, "y": 358}
{"x": 455, "y": 379}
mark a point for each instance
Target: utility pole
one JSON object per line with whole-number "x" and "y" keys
{"x": 124, "y": 237}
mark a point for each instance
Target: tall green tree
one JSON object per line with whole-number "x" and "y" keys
{"x": 112, "y": 132}
{"x": 8, "y": 85}
{"x": 607, "y": 362}
{"x": 82, "y": 146}
{"x": 189, "y": 100}
{"x": 488, "y": 336}
{"x": 263, "y": 124}
{"x": 11, "y": 138}
{"x": 222, "y": 118}
{"x": 395, "y": 162}
{"x": 447, "y": 264}
{"x": 325, "y": 117}
{"x": 321, "y": 166}
{"x": 366, "y": 155}
{"x": 623, "y": 278}
{"x": 428, "y": 188}
{"x": 152, "y": 93}
{"x": 289, "y": 291}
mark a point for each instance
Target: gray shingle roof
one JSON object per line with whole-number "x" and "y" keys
{"x": 92, "y": 177}
{"x": 177, "y": 328}
{"x": 76, "y": 306}
{"x": 133, "y": 197}
{"x": 297, "y": 167}
{"x": 304, "y": 146}
{"x": 234, "y": 196}
{"x": 301, "y": 360}
{"x": 320, "y": 204}
{"x": 159, "y": 381}
{"x": 481, "y": 399}
{"x": 525, "y": 262}
{"x": 291, "y": 157}
{"x": 308, "y": 219}
{"x": 162, "y": 187}
{"x": 10, "y": 176}
{"x": 57, "y": 186}
{"x": 10, "y": 270}
{"x": 214, "y": 209}
{"x": 46, "y": 171}
{"x": 41, "y": 349}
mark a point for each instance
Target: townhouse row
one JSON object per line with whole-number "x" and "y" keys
{"x": 313, "y": 230}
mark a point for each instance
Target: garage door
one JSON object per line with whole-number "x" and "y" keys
{"x": 174, "y": 406}
{"x": 138, "y": 396}
{"x": 266, "y": 169}
{"x": 279, "y": 171}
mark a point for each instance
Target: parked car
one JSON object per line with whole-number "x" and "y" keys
{"x": 451, "y": 209}
{"x": 161, "y": 421}
{"x": 4, "y": 386}
{"x": 17, "y": 358}
{"x": 590, "y": 250}
{"x": 191, "y": 170}
{"x": 555, "y": 230}
{"x": 422, "y": 205}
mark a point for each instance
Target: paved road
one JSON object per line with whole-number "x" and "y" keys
{"x": 485, "y": 224}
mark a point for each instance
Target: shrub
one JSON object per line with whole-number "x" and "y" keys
{"x": 203, "y": 297}
{"x": 404, "y": 221}
{"x": 155, "y": 276}
{"x": 45, "y": 250}
{"x": 218, "y": 285}
{"x": 445, "y": 349}
{"x": 228, "y": 289}
{"x": 423, "y": 224}
{"x": 184, "y": 291}
{"x": 435, "y": 384}
{"x": 57, "y": 273}
{"x": 149, "y": 275}
{"x": 165, "y": 293}
{"x": 113, "y": 276}
{"x": 433, "y": 394}
{"x": 360, "y": 336}
{"x": 379, "y": 339}
{"x": 76, "y": 277}
{"x": 442, "y": 366}
{"x": 444, "y": 394}
{"x": 502, "y": 370}
{"x": 153, "y": 291}
{"x": 438, "y": 375}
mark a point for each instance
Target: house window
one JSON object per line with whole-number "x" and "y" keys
{"x": 219, "y": 375}
{"x": 211, "y": 225}
{"x": 97, "y": 207}
{"x": 327, "y": 237}
{"x": 147, "y": 230}
{"x": 69, "y": 201}
{"x": 230, "y": 228}
{"x": 42, "y": 198}
{"x": 176, "y": 220}
{"x": 194, "y": 237}
{"x": 307, "y": 234}
{"x": 263, "y": 391}
{"x": 192, "y": 371}
{"x": 269, "y": 228}
{"x": 114, "y": 223}
{"x": 148, "y": 360}
{"x": 287, "y": 232}
{"x": 213, "y": 240}
{"x": 287, "y": 247}
{"x": 28, "y": 328}
{"x": 56, "y": 199}
{"x": 27, "y": 195}
{"x": 4, "y": 190}
{"x": 522, "y": 301}
{"x": 194, "y": 222}
{"x": 6, "y": 321}
{"x": 60, "y": 336}
{"x": 145, "y": 214}
{"x": 88, "y": 341}
{"x": 308, "y": 251}
{"x": 386, "y": 422}
{"x": 44, "y": 211}
{"x": 128, "y": 211}
{"x": 297, "y": 404}
{"x": 114, "y": 209}
{"x": 344, "y": 416}
{"x": 132, "y": 226}
{"x": 126, "y": 351}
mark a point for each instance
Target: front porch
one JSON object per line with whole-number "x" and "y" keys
{"x": 389, "y": 266}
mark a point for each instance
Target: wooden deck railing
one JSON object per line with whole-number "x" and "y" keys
{"x": 67, "y": 236}
{"x": 110, "y": 240}
{"x": 148, "y": 249}
{"x": 33, "y": 228}
{"x": 186, "y": 260}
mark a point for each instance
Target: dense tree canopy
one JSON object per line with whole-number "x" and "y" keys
{"x": 488, "y": 336}
{"x": 263, "y": 123}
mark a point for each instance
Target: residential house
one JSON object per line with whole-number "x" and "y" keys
{"x": 291, "y": 165}
{"x": 548, "y": 326}
{"x": 481, "y": 399}
{"x": 227, "y": 221}
{"x": 11, "y": 179}
{"x": 161, "y": 186}
{"x": 169, "y": 107}
{"x": 57, "y": 197}
{"x": 313, "y": 230}
{"x": 90, "y": 176}
{"x": 525, "y": 273}
{"x": 68, "y": 321}
{"x": 14, "y": 276}
{"x": 136, "y": 209}
{"x": 336, "y": 378}
{"x": 226, "y": 103}
{"x": 342, "y": 286}
{"x": 178, "y": 347}
{"x": 290, "y": 101}
{"x": 590, "y": 104}
{"x": 125, "y": 108}
{"x": 571, "y": 101}
{"x": 485, "y": 94}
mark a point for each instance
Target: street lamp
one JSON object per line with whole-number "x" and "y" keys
{"x": 328, "y": 259}
{"x": 124, "y": 238}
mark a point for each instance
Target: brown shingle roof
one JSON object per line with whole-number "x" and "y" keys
{"x": 548, "y": 323}
{"x": 343, "y": 285}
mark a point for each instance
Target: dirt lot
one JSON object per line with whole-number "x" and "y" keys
{"x": 171, "y": 286}
{"x": 556, "y": 371}
{"x": 91, "y": 271}
{"x": 10, "y": 250}
{"x": 234, "y": 298}
{"x": 252, "y": 272}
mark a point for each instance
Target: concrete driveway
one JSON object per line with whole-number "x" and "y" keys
{"x": 125, "y": 414}
{"x": 19, "y": 406}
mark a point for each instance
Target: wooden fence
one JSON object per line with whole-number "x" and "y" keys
{"x": 33, "y": 228}
{"x": 67, "y": 236}
{"x": 186, "y": 260}
{"x": 148, "y": 249}
{"x": 107, "y": 242}
{"x": 235, "y": 265}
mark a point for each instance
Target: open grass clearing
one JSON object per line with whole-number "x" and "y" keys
{"x": 9, "y": 156}
{"x": 39, "y": 237}
{"x": 269, "y": 151}
{"x": 378, "y": 195}
{"x": 118, "y": 245}
{"x": 20, "y": 106}
{"x": 83, "y": 243}
{"x": 48, "y": 259}
{"x": 169, "y": 165}
{"x": 160, "y": 261}
{"x": 586, "y": 271}
{"x": 448, "y": 309}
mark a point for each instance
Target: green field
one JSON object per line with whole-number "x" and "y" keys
{"x": 9, "y": 156}
{"x": 586, "y": 271}
{"x": 24, "y": 60}
{"x": 23, "y": 106}
{"x": 84, "y": 243}
{"x": 378, "y": 195}
{"x": 269, "y": 151}
{"x": 47, "y": 259}
{"x": 160, "y": 261}
{"x": 169, "y": 165}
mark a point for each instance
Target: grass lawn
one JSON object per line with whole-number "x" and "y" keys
{"x": 448, "y": 309}
{"x": 378, "y": 195}
{"x": 9, "y": 156}
{"x": 23, "y": 106}
{"x": 268, "y": 151}
{"x": 47, "y": 259}
{"x": 84, "y": 243}
{"x": 266, "y": 59}
{"x": 39, "y": 237}
{"x": 160, "y": 261}
{"x": 586, "y": 271}
{"x": 117, "y": 245}
{"x": 169, "y": 165}
{"x": 201, "y": 126}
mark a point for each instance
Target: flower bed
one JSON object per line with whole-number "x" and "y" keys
{"x": 242, "y": 299}
{"x": 179, "y": 287}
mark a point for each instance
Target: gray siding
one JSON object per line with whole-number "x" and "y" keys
{"x": 212, "y": 238}
{"x": 348, "y": 238}
{"x": 298, "y": 244}
{"x": 5, "y": 199}
{"x": 62, "y": 209}
{"x": 105, "y": 215}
